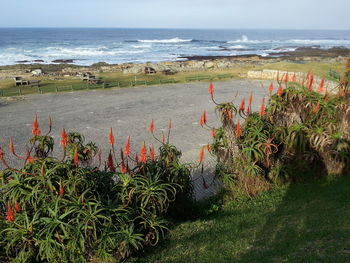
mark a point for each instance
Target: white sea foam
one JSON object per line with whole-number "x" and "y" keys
{"x": 238, "y": 47}
{"x": 171, "y": 40}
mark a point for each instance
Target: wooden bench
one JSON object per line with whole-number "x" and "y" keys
{"x": 20, "y": 82}
{"x": 34, "y": 83}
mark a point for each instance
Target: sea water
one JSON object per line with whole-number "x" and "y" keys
{"x": 91, "y": 45}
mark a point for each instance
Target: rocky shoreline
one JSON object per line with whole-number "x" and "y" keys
{"x": 188, "y": 64}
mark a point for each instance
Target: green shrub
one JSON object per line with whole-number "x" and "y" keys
{"x": 303, "y": 131}
{"x": 70, "y": 210}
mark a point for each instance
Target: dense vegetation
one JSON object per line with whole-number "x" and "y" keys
{"x": 78, "y": 208}
{"x": 303, "y": 130}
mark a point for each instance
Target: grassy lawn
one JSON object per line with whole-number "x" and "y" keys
{"x": 308, "y": 222}
{"x": 118, "y": 79}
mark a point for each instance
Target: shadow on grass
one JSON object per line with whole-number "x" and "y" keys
{"x": 308, "y": 222}
{"x": 311, "y": 224}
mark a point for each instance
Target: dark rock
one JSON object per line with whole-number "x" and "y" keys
{"x": 63, "y": 61}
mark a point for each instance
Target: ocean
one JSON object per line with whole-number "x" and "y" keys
{"x": 91, "y": 45}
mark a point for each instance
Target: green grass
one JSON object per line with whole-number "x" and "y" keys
{"x": 118, "y": 79}
{"x": 308, "y": 222}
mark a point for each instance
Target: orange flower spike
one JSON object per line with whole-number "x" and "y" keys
{"x": 201, "y": 121}
{"x": 61, "y": 191}
{"x": 205, "y": 117}
{"x": 76, "y": 157}
{"x": 271, "y": 88}
{"x": 286, "y": 78}
{"x": 311, "y": 82}
{"x": 29, "y": 159}
{"x": 242, "y": 106}
{"x": 18, "y": 207}
{"x": 169, "y": 125}
{"x": 64, "y": 138}
{"x": 211, "y": 89}
{"x": 317, "y": 108}
{"x": 208, "y": 147}
{"x": 123, "y": 168}
{"x": 110, "y": 163}
{"x": 238, "y": 129}
{"x": 321, "y": 87}
{"x": 111, "y": 137}
{"x": 152, "y": 153}
{"x": 213, "y": 132}
{"x": 35, "y": 127}
{"x": 136, "y": 158}
{"x": 10, "y": 213}
{"x": 163, "y": 137}
{"x": 143, "y": 153}
{"x": 294, "y": 78}
{"x": 12, "y": 148}
{"x": 280, "y": 90}
{"x": 127, "y": 150}
{"x": 262, "y": 108}
{"x": 151, "y": 127}
{"x": 201, "y": 154}
{"x": 2, "y": 154}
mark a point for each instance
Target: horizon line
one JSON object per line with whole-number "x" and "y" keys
{"x": 164, "y": 28}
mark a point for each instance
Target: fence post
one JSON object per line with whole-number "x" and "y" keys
{"x": 56, "y": 89}
{"x": 19, "y": 91}
{"x": 71, "y": 87}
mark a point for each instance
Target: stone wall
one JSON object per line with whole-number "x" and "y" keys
{"x": 268, "y": 74}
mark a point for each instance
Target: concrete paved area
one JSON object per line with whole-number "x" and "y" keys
{"x": 128, "y": 111}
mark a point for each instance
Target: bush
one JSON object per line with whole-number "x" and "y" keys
{"x": 303, "y": 131}
{"x": 69, "y": 210}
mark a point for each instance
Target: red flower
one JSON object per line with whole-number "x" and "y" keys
{"x": 123, "y": 168}
{"x": 110, "y": 163}
{"x": 310, "y": 82}
{"x": 205, "y": 117}
{"x": 76, "y": 157}
{"x": 262, "y": 108}
{"x": 35, "y": 127}
{"x": 169, "y": 125}
{"x": 152, "y": 153}
{"x": 317, "y": 108}
{"x": 211, "y": 89}
{"x": 201, "y": 155}
{"x": 64, "y": 138}
{"x": 2, "y": 154}
{"x": 249, "y": 110}
{"x": 111, "y": 137}
{"x": 136, "y": 158}
{"x": 208, "y": 147}
{"x": 10, "y": 214}
{"x": 321, "y": 87}
{"x": 238, "y": 129}
{"x": 12, "y": 148}
{"x": 29, "y": 159}
{"x": 213, "y": 132}
{"x": 271, "y": 88}
{"x": 294, "y": 78}
{"x": 242, "y": 106}
{"x": 201, "y": 121}
{"x": 18, "y": 207}
{"x": 143, "y": 153}
{"x": 61, "y": 190}
{"x": 151, "y": 127}
{"x": 280, "y": 90}
{"x": 286, "y": 78}
{"x": 127, "y": 150}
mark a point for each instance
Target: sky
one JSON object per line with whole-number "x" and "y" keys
{"x": 229, "y": 14}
